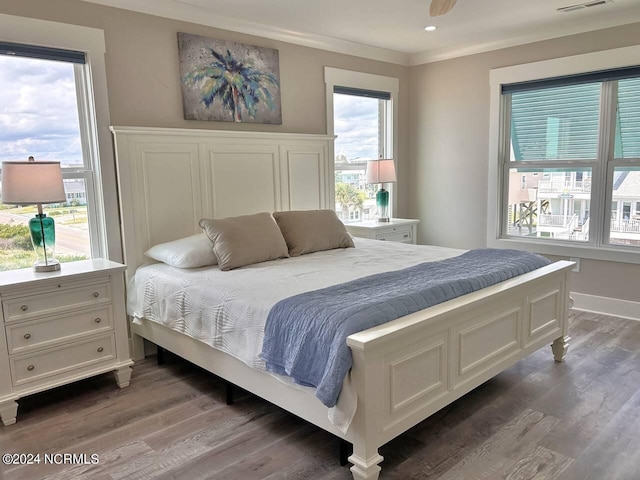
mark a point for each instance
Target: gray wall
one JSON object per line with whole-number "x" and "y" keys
{"x": 449, "y": 144}
{"x": 443, "y": 133}
{"x": 144, "y": 83}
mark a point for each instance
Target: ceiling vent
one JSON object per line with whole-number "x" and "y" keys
{"x": 580, "y": 6}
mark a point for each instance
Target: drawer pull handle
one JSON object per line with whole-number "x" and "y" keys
{"x": 27, "y": 336}
{"x": 100, "y": 349}
{"x": 96, "y": 294}
{"x": 24, "y": 308}
{"x": 97, "y": 320}
{"x": 406, "y": 235}
{"x": 30, "y": 367}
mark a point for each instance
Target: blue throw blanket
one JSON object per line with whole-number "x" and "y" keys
{"x": 306, "y": 335}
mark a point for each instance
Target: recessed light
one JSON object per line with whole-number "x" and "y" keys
{"x": 430, "y": 28}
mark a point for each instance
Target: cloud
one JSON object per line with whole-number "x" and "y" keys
{"x": 356, "y": 125}
{"x": 38, "y": 110}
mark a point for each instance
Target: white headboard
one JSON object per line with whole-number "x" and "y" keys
{"x": 171, "y": 178}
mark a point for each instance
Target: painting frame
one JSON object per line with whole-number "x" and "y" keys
{"x": 228, "y": 81}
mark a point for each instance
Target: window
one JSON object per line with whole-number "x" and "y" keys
{"x": 360, "y": 113}
{"x": 53, "y": 104}
{"x": 582, "y": 133}
{"x": 359, "y": 124}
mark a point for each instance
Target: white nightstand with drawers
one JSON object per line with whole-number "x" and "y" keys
{"x": 402, "y": 230}
{"x": 59, "y": 327}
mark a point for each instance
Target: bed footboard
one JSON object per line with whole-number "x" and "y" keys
{"x": 408, "y": 369}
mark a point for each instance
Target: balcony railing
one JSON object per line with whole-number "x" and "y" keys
{"x": 625, "y": 226}
{"x": 564, "y": 221}
{"x": 563, "y": 186}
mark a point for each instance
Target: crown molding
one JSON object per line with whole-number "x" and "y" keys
{"x": 184, "y": 11}
{"x": 450, "y": 53}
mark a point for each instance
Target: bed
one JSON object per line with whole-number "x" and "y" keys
{"x": 403, "y": 371}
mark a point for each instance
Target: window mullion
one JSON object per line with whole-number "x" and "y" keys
{"x": 555, "y": 164}
{"x": 603, "y": 173}
{"x": 92, "y": 169}
{"x": 504, "y": 158}
{"x": 386, "y": 145}
{"x": 83, "y": 114}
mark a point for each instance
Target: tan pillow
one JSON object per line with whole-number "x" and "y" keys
{"x": 308, "y": 231}
{"x": 244, "y": 240}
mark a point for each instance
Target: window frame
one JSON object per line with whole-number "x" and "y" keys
{"x": 366, "y": 81}
{"x": 602, "y": 173}
{"x": 93, "y": 106}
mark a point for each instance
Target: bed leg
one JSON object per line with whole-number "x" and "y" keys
{"x": 365, "y": 468}
{"x": 344, "y": 450}
{"x": 137, "y": 347}
{"x": 229, "y": 392}
{"x": 560, "y": 347}
{"x": 160, "y": 355}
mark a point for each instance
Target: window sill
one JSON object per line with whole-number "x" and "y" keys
{"x": 562, "y": 249}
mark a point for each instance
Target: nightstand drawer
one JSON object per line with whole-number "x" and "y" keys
{"x": 396, "y": 235}
{"x": 401, "y": 230}
{"x": 26, "y": 336}
{"x": 60, "y": 327}
{"x": 54, "y": 361}
{"x": 24, "y": 308}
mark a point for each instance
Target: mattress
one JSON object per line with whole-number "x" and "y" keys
{"x": 228, "y": 310}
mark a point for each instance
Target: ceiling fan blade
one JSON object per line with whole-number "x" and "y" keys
{"x": 440, "y": 7}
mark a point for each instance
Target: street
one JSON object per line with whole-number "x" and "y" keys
{"x": 69, "y": 239}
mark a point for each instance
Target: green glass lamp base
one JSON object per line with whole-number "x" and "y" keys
{"x": 382, "y": 204}
{"x": 43, "y": 237}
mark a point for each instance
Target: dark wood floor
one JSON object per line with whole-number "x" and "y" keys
{"x": 538, "y": 420}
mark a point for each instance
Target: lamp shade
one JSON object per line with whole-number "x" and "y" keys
{"x": 27, "y": 183}
{"x": 381, "y": 171}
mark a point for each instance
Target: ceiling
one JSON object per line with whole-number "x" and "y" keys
{"x": 393, "y": 31}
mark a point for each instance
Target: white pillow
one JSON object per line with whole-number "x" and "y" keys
{"x": 189, "y": 252}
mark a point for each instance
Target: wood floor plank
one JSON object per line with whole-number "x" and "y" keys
{"x": 468, "y": 423}
{"x": 507, "y": 443}
{"x": 594, "y": 408}
{"x": 539, "y": 420}
{"x": 538, "y": 463}
{"x": 109, "y": 461}
{"x": 224, "y": 454}
{"x": 276, "y": 460}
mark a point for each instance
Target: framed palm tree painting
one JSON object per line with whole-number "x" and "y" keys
{"x": 228, "y": 81}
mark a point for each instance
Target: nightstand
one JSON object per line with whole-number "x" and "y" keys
{"x": 402, "y": 230}
{"x": 59, "y": 327}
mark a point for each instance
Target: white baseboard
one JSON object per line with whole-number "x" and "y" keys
{"x": 606, "y": 305}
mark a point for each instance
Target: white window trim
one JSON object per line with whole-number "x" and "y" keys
{"x": 589, "y": 62}
{"x": 367, "y": 81}
{"x": 90, "y": 41}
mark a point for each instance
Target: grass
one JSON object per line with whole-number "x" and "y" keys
{"x": 15, "y": 259}
{"x": 15, "y": 241}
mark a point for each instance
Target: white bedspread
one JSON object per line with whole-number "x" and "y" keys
{"x": 228, "y": 310}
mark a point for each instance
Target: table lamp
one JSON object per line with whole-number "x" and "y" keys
{"x": 36, "y": 183}
{"x": 381, "y": 171}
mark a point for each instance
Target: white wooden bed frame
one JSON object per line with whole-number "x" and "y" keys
{"x": 404, "y": 370}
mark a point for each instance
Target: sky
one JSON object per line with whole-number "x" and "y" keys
{"x": 356, "y": 125}
{"x": 38, "y": 111}
{"x": 39, "y": 115}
